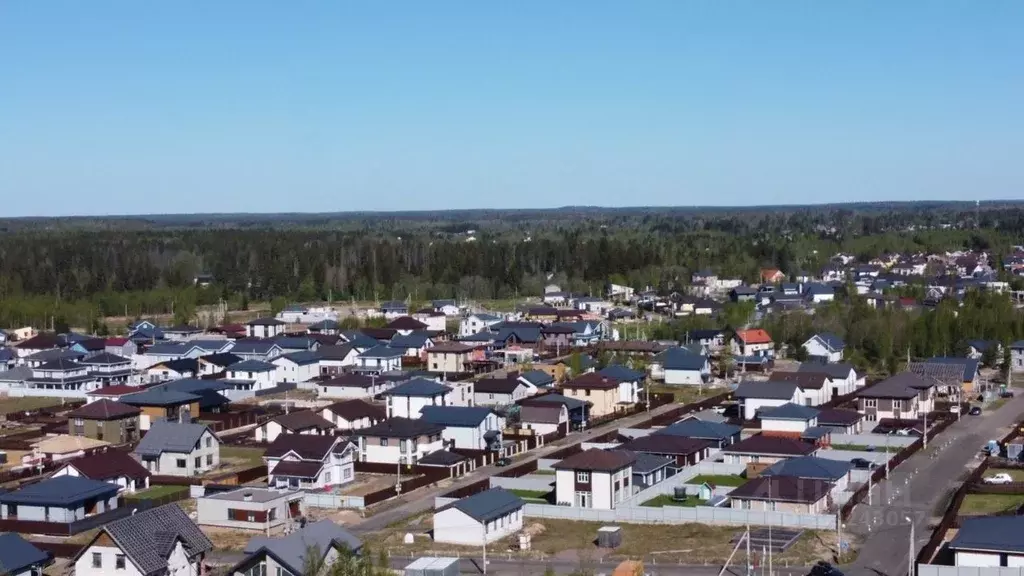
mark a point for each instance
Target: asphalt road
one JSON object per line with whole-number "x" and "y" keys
{"x": 917, "y": 487}
{"x": 423, "y": 499}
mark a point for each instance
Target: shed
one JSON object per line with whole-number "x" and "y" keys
{"x": 609, "y": 536}
{"x": 431, "y": 566}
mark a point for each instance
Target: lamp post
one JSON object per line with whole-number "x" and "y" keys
{"x": 910, "y": 550}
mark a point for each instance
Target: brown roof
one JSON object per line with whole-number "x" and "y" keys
{"x": 840, "y": 417}
{"x": 774, "y": 445}
{"x": 597, "y": 460}
{"x": 593, "y": 381}
{"x": 783, "y": 488}
{"x": 804, "y": 380}
{"x": 630, "y": 346}
{"x": 450, "y": 347}
{"x": 104, "y": 410}
{"x": 497, "y": 385}
{"x": 406, "y": 323}
{"x": 307, "y": 446}
{"x": 109, "y": 465}
{"x": 306, "y": 469}
{"x": 379, "y": 333}
{"x": 304, "y": 420}
{"x": 667, "y": 444}
{"x": 356, "y": 409}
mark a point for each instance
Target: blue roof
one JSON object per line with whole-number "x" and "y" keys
{"x": 487, "y": 317}
{"x": 522, "y": 333}
{"x": 990, "y": 533}
{"x": 168, "y": 349}
{"x": 6, "y": 354}
{"x": 682, "y": 359}
{"x": 707, "y": 334}
{"x": 789, "y": 411}
{"x": 621, "y": 373}
{"x": 982, "y": 345}
{"x": 158, "y": 396}
{"x": 303, "y": 358}
{"x": 970, "y": 365}
{"x": 381, "y": 351}
{"x": 259, "y": 347}
{"x": 17, "y": 555}
{"x": 831, "y": 341}
{"x": 59, "y": 491}
{"x": 359, "y": 340}
{"x": 809, "y": 467}
{"x": 537, "y": 377}
{"x": 418, "y": 387}
{"x": 694, "y": 428}
{"x": 410, "y": 340}
{"x": 394, "y": 305}
{"x": 489, "y": 504}
{"x": 252, "y": 366}
{"x": 296, "y": 342}
{"x": 454, "y": 415}
{"x": 818, "y": 289}
{"x": 770, "y": 389}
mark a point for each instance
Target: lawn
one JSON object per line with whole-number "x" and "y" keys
{"x": 158, "y": 492}
{"x": 253, "y": 455}
{"x": 667, "y": 500}
{"x": 544, "y": 472}
{"x": 984, "y": 504}
{"x": 25, "y": 403}
{"x": 1017, "y": 475}
{"x": 685, "y": 394}
{"x": 718, "y": 479}
{"x": 996, "y": 404}
{"x": 537, "y": 496}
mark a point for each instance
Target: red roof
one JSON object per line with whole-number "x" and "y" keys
{"x": 109, "y": 465}
{"x": 116, "y": 341}
{"x": 754, "y": 336}
{"x": 116, "y": 390}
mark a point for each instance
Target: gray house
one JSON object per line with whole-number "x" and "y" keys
{"x": 179, "y": 449}
{"x": 259, "y": 509}
{"x": 61, "y": 500}
{"x": 288, "y": 555}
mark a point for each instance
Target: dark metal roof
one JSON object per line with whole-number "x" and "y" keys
{"x": 252, "y": 366}
{"x": 18, "y": 555}
{"x": 381, "y": 351}
{"x": 789, "y": 411}
{"x": 667, "y": 444}
{"x": 147, "y": 538}
{"x": 621, "y": 373}
{"x": 418, "y": 387}
{"x": 488, "y": 505}
{"x": 159, "y": 396}
{"x": 773, "y": 445}
{"x": 401, "y": 428}
{"x": 771, "y": 389}
{"x": 108, "y": 466}
{"x": 647, "y": 463}
{"x": 837, "y": 417}
{"x": 695, "y": 428}
{"x": 303, "y": 420}
{"x": 497, "y": 385}
{"x": 835, "y": 371}
{"x": 59, "y": 491}
{"x": 164, "y": 436}
{"x": 442, "y": 458}
{"x": 459, "y": 416}
{"x": 406, "y": 323}
{"x": 306, "y": 446}
{"x": 805, "y": 380}
{"x": 291, "y": 550}
{"x": 105, "y": 359}
{"x": 682, "y": 359}
{"x": 104, "y": 409}
{"x": 783, "y": 488}
{"x": 810, "y": 467}
{"x": 597, "y": 460}
{"x": 299, "y": 469}
{"x": 999, "y": 534}
{"x": 356, "y": 409}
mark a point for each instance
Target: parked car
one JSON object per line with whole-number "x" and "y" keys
{"x": 954, "y": 409}
{"x": 975, "y": 411}
{"x": 1001, "y": 478}
{"x": 823, "y": 568}
{"x": 502, "y": 462}
{"x": 1006, "y": 394}
{"x": 863, "y": 464}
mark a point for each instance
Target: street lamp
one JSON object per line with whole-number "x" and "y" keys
{"x": 910, "y": 551}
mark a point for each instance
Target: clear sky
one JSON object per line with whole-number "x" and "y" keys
{"x": 122, "y": 107}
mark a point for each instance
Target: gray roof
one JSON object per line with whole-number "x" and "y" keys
{"x": 765, "y": 390}
{"x": 537, "y": 377}
{"x": 902, "y": 385}
{"x": 18, "y": 555}
{"x": 7, "y": 354}
{"x": 835, "y": 371}
{"x": 254, "y": 347}
{"x": 159, "y": 396}
{"x": 682, "y": 359}
{"x": 489, "y": 504}
{"x": 266, "y": 322}
{"x": 647, "y": 463}
{"x": 570, "y": 403}
{"x": 252, "y": 366}
{"x": 461, "y": 416}
{"x": 694, "y": 428}
{"x": 789, "y": 411}
{"x": 303, "y": 358}
{"x": 418, "y": 387}
{"x": 16, "y": 374}
{"x": 147, "y": 538}
{"x": 164, "y": 436}
{"x": 810, "y": 467}
{"x": 411, "y": 340}
{"x": 59, "y": 491}
{"x": 296, "y": 342}
{"x": 291, "y": 550}
{"x": 381, "y": 351}
{"x": 990, "y": 533}
{"x": 168, "y": 348}
{"x": 831, "y": 341}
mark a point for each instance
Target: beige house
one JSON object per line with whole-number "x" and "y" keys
{"x": 448, "y": 357}
{"x": 783, "y": 494}
{"x": 607, "y": 395}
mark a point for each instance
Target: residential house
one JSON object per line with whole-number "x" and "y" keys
{"x": 353, "y": 386}
{"x": 818, "y": 293}
{"x": 105, "y": 420}
{"x": 353, "y": 414}
{"x": 333, "y": 359}
{"x": 772, "y": 275}
{"x": 605, "y": 394}
{"x": 682, "y": 367}
{"x": 213, "y": 364}
{"x": 161, "y": 403}
{"x": 1017, "y": 356}
{"x": 262, "y": 510}
{"x": 8, "y": 359}
{"x": 680, "y": 450}
{"x": 976, "y": 349}
{"x": 294, "y": 553}
{"x": 60, "y": 500}
{"x": 264, "y": 328}
{"x": 253, "y": 375}
{"x": 378, "y": 360}
{"x": 720, "y": 434}
{"x": 841, "y": 421}
{"x": 650, "y": 469}
{"x": 783, "y": 494}
{"x": 413, "y": 344}
{"x": 326, "y": 326}
{"x": 835, "y": 472}
{"x": 38, "y": 343}
{"x": 468, "y": 427}
{"x": 825, "y": 347}
{"x": 499, "y": 391}
{"x": 179, "y": 449}
{"x": 113, "y": 466}
{"x": 259, "y": 350}
{"x": 476, "y": 323}
{"x": 296, "y": 367}
{"x": 449, "y": 357}
{"x": 394, "y": 309}
{"x": 407, "y": 399}
{"x": 172, "y": 370}
{"x": 619, "y": 292}
{"x": 766, "y": 448}
{"x": 594, "y": 478}
{"x": 399, "y": 441}
{"x": 812, "y": 387}
{"x": 755, "y": 396}
{"x": 63, "y": 377}
{"x": 213, "y": 394}
{"x": 536, "y": 380}
{"x": 537, "y": 413}
{"x": 108, "y": 368}
{"x": 306, "y": 422}
{"x": 989, "y": 542}
{"x": 152, "y": 542}
{"x": 480, "y": 519}
{"x": 181, "y": 332}
{"x": 446, "y": 307}
{"x": 842, "y": 377}
{"x": 309, "y": 462}
{"x": 433, "y": 320}
{"x": 954, "y": 375}
{"x": 405, "y": 325}
{"x": 903, "y": 396}
{"x": 788, "y": 420}
{"x": 753, "y": 342}
{"x": 19, "y": 557}
{"x": 62, "y": 447}
{"x": 712, "y": 340}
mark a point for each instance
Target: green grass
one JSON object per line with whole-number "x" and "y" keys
{"x": 544, "y": 472}
{"x": 26, "y": 403}
{"x": 718, "y": 479}
{"x": 863, "y": 448}
{"x": 984, "y": 504}
{"x": 1017, "y": 475}
{"x": 253, "y": 455}
{"x": 667, "y": 500}
{"x": 158, "y": 492}
{"x": 538, "y": 496}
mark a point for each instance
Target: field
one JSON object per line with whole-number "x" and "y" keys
{"x": 985, "y": 504}
{"x": 159, "y": 492}
{"x": 667, "y": 500}
{"x": 718, "y": 479}
{"x": 1016, "y": 474}
{"x": 242, "y": 454}
{"x": 9, "y": 405}
{"x": 536, "y": 496}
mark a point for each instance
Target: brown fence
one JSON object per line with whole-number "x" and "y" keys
{"x": 980, "y": 487}
{"x": 436, "y": 475}
{"x": 470, "y": 489}
{"x": 163, "y": 480}
{"x": 44, "y": 411}
{"x": 949, "y": 519}
{"x": 520, "y": 470}
{"x": 218, "y": 422}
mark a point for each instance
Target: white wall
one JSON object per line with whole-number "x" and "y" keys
{"x": 392, "y": 453}
{"x": 452, "y": 526}
{"x": 565, "y": 487}
{"x": 288, "y": 371}
{"x": 783, "y": 425}
{"x": 752, "y": 405}
{"x": 108, "y": 554}
{"x": 681, "y": 377}
{"x": 600, "y": 485}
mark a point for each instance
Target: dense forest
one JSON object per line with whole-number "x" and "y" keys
{"x": 81, "y": 269}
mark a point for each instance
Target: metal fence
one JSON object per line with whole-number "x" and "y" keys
{"x": 682, "y": 515}
{"x": 333, "y": 501}
{"x": 936, "y": 570}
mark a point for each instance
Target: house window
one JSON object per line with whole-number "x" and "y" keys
{"x": 327, "y": 477}
{"x": 199, "y": 461}
{"x": 257, "y": 570}
{"x": 383, "y": 441}
{"x": 870, "y": 403}
{"x": 181, "y": 463}
{"x": 119, "y": 561}
{"x": 209, "y": 459}
{"x": 403, "y": 445}
{"x": 251, "y": 517}
{"x": 79, "y": 422}
{"x": 588, "y": 391}
{"x": 346, "y": 473}
{"x": 97, "y": 560}
{"x": 209, "y": 442}
{"x": 897, "y": 405}
{"x": 583, "y": 476}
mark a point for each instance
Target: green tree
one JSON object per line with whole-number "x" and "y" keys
{"x": 990, "y": 356}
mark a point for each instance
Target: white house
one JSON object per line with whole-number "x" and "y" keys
{"x": 305, "y": 422}
{"x": 683, "y": 367}
{"x": 812, "y": 387}
{"x": 842, "y": 377}
{"x": 789, "y": 418}
{"x": 297, "y": 367}
{"x": 256, "y": 373}
{"x": 264, "y": 328}
{"x": 407, "y": 399}
{"x": 500, "y": 391}
{"x": 379, "y": 359}
{"x": 353, "y": 414}
{"x": 480, "y": 519}
{"x": 114, "y": 466}
{"x": 353, "y": 386}
{"x": 473, "y": 428}
{"x": 752, "y": 342}
{"x": 178, "y": 449}
{"x": 476, "y": 323}
{"x": 825, "y": 346}
{"x": 399, "y": 441}
{"x": 989, "y": 542}
{"x": 309, "y": 462}
{"x": 446, "y": 307}
{"x": 594, "y": 478}
{"x": 755, "y": 396}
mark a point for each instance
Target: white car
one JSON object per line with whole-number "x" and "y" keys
{"x": 1001, "y": 478}
{"x": 954, "y": 409}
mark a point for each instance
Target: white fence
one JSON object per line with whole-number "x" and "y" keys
{"x": 333, "y": 501}
{"x": 877, "y": 440}
{"x": 682, "y": 515}
{"x": 936, "y": 570}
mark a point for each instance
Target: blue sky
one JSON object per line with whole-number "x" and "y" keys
{"x": 123, "y": 107}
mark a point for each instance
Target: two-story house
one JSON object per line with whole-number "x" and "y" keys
{"x": 399, "y": 441}
{"x": 353, "y": 414}
{"x": 755, "y": 396}
{"x": 594, "y": 478}
{"x": 254, "y": 375}
{"x": 449, "y": 357}
{"x": 178, "y": 449}
{"x": 469, "y": 427}
{"x": 309, "y": 462}
{"x": 475, "y": 323}
{"x": 306, "y": 422}
{"x": 825, "y": 347}
{"x": 161, "y": 403}
{"x": 113, "y": 466}
{"x": 752, "y": 342}
{"x": 904, "y": 396}
{"x": 378, "y": 360}
{"x": 264, "y": 328}
{"x": 261, "y": 350}
{"x": 106, "y": 420}
{"x": 407, "y": 399}
{"x": 316, "y": 544}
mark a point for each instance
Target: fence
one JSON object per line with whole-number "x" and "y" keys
{"x": 333, "y": 501}
{"x": 46, "y": 410}
{"x": 72, "y": 528}
{"x": 682, "y": 515}
{"x": 542, "y": 484}
{"x": 876, "y": 440}
{"x": 435, "y": 475}
{"x": 135, "y": 500}
{"x": 934, "y": 570}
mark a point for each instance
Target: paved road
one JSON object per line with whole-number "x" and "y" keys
{"x": 917, "y": 486}
{"x": 423, "y": 499}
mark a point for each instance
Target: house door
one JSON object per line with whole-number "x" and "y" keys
{"x": 835, "y": 391}
{"x": 583, "y": 500}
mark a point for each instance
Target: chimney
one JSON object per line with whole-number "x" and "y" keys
{"x": 247, "y": 497}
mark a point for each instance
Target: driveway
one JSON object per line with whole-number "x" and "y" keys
{"x": 917, "y": 486}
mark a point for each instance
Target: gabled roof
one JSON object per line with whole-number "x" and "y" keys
{"x": 420, "y": 387}
{"x": 179, "y": 365}
{"x": 999, "y": 534}
{"x": 783, "y": 488}
{"x": 592, "y": 381}
{"x": 335, "y": 352}
{"x": 168, "y": 349}
{"x": 695, "y": 428}
{"x": 569, "y": 403}
{"x": 450, "y": 348}
{"x": 902, "y": 385}
{"x": 164, "y": 436}
{"x": 789, "y": 411}
{"x": 806, "y": 380}
{"x": 830, "y": 341}
{"x": 356, "y": 409}
{"x": 487, "y": 505}
{"x": 406, "y": 323}
{"x": 222, "y": 359}
{"x": 159, "y": 396}
{"x": 835, "y": 371}
{"x": 382, "y": 351}
{"x": 458, "y": 416}
{"x": 252, "y": 366}
{"x": 810, "y": 467}
{"x": 497, "y": 385}
{"x": 597, "y": 460}
{"x": 40, "y": 341}
{"x": 302, "y": 358}
{"x": 296, "y": 342}
{"x": 754, "y": 336}
{"x": 148, "y": 538}
{"x": 105, "y": 359}
{"x": 322, "y": 325}
{"x": 621, "y": 373}
{"x": 538, "y": 378}
{"x": 442, "y": 458}
{"x": 411, "y": 340}
{"x": 772, "y": 445}
{"x": 401, "y": 428}
{"x": 265, "y": 322}
{"x": 290, "y": 551}
{"x": 254, "y": 347}
{"x": 944, "y": 369}
{"x": 667, "y": 444}
{"x": 62, "y": 364}
{"x": 682, "y": 359}
{"x": 305, "y": 446}
{"x": 647, "y": 463}
{"x": 104, "y": 410}
{"x": 302, "y": 420}
{"x": 108, "y": 465}
{"x": 18, "y": 555}
{"x": 59, "y": 491}
{"x": 541, "y": 413}
{"x": 837, "y": 417}
{"x": 771, "y": 389}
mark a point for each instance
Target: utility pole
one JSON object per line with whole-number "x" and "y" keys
{"x": 910, "y": 552}
{"x": 485, "y": 548}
